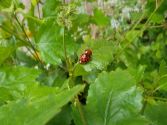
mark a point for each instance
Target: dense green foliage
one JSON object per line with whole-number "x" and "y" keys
{"x": 43, "y": 83}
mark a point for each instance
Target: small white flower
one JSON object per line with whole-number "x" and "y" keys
{"x": 126, "y": 12}
{"x": 114, "y": 23}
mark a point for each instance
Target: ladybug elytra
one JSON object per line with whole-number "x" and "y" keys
{"x": 85, "y": 57}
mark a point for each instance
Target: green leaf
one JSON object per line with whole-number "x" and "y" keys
{"x": 62, "y": 118}
{"x": 163, "y": 68}
{"x": 34, "y": 2}
{"x": 157, "y": 113}
{"x": 38, "y": 111}
{"x": 157, "y": 18}
{"x": 5, "y": 52}
{"x": 113, "y": 99}
{"x": 137, "y": 72}
{"x": 79, "y": 70}
{"x": 49, "y": 8}
{"x": 5, "y": 4}
{"x": 17, "y": 75}
{"x": 130, "y": 57}
{"x": 50, "y": 43}
{"x": 76, "y": 115}
{"x": 100, "y": 18}
{"x": 19, "y": 81}
{"x": 33, "y": 23}
{"x": 82, "y": 19}
{"x": 134, "y": 121}
{"x": 26, "y": 59}
{"x": 5, "y": 95}
{"x": 54, "y": 78}
{"x": 10, "y": 5}
{"x": 132, "y": 35}
{"x": 102, "y": 54}
{"x": 162, "y": 76}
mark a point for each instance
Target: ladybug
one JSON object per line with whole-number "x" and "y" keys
{"x": 88, "y": 52}
{"x": 84, "y": 59}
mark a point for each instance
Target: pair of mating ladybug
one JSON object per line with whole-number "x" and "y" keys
{"x": 85, "y": 57}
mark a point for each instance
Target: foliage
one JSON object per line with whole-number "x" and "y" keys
{"x": 42, "y": 81}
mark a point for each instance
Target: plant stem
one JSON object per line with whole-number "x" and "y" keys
{"x": 65, "y": 51}
{"x": 102, "y": 4}
{"x": 159, "y": 98}
{"x": 78, "y": 104}
{"x": 28, "y": 39}
{"x": 137, "y": 22}
{"x": 39, "y": 14}
{"x": 158, "y": 26}
{"x": 6, "y": 30}
{"x": 80, "y": 111}
{"x": 85, "y": 4}
{"x": 70, "y": 71}
{"x": 143, "y": 108}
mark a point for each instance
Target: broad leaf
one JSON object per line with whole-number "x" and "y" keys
{"x": 62, "y": 118}
{"x": 100, "y": 18}
{"x": 54, "y": 78}
{"x": 131, "y": 36}
{"x": 50, "y": 43}
{"x": 157, "y": 113}
{"x": 77, "y": 116}
{"x": 5, "y": 52}
{"x": 5, "y": 4}
{"x": 113, "y": 99}
{"x": 49, "y": 8}
{"x": 38, "y": 111}
{"x": 17, "y": 75}
{"x": 25, "y": 59}
{"x": 102, "y": 54}
{"x": 137, "y": 72}
{"x": 19, "y": 82}
{"x": 162, "y": 83}
{"x": 5, "y": 95}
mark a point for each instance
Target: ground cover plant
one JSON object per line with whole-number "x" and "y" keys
{"x": 75, "y": 62}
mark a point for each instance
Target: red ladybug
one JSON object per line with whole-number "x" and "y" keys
{"x": 85, "y": 57}
{"x": 88, "y": 52}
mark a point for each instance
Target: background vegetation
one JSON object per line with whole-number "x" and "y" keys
{"x": 43, "y": 83}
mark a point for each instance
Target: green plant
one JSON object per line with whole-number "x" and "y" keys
{"x": 83, "y": 63}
